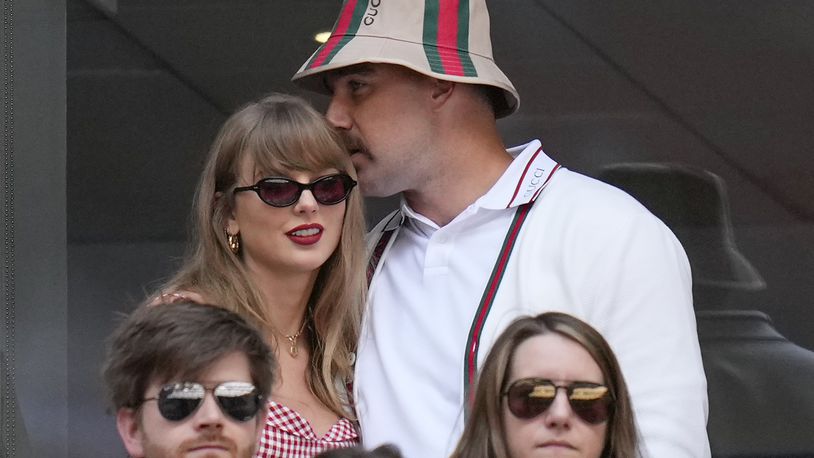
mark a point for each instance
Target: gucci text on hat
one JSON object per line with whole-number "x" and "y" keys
{"x": 445, "y": 39}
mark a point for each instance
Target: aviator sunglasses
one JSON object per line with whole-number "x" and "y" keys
{"x": 283, "y": 192}
{"x": 238, "y": 400}
{"x": 530, "y": 397}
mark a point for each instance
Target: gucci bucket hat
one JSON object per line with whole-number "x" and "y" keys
{"x": 444, "y": 39}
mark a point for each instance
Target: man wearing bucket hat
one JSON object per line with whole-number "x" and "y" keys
{"x": 484, "y": 234}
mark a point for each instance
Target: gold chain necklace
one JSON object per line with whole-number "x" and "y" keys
{"x": 293, "y": 350}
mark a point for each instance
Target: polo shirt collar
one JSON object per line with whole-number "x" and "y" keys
{"x": 522, "y": 181}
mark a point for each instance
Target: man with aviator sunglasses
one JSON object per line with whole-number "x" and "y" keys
{"x": 188, "y": 379}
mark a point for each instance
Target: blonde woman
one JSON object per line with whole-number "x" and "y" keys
{"x": 278, "y": 238}
{"x": 550, "y": 386}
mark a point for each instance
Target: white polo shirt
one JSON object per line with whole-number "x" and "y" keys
{"x": 427, "y": 287}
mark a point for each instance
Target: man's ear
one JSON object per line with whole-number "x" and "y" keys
{"x": 127, "y": 422}
{"x": 441, "y": 91}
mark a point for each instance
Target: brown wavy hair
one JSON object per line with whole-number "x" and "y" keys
{"x": 280, "y": 133}
{"x": 180, "y": 341}
{"x": 484, "y": 435}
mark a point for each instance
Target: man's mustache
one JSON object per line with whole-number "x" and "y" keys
{"x": 210, "y": 440}
{"x": 351, "y": 143}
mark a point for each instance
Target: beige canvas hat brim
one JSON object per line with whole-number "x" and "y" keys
{"x": 419, "y": 35}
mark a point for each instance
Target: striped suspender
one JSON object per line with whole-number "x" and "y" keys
{"x": 372, "y": 262}
{"x": 476, "y": 329}
{"x": 473, "y": 342}
{"x": 376, "y": 256}
{"x": 384, "y": 237}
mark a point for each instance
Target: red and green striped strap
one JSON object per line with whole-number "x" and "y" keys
{"x": 488, "y": 298}
{"x": 376, "y": 256}
{"x": 384, "y": 237}
{"x": 475, "y": 331}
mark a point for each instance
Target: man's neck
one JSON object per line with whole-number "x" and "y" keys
{"x": 467, "y": 158}
{"x": 458, "y": 184}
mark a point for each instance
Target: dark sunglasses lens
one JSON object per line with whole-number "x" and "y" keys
{"x": 239, "y": 400}
{"x": 178, "y": 401}
{"x": 278, "y": 192}
{"x": 527, "y": 400}
{"x": 590, "y": 402}
{"x": 332, "y": 189}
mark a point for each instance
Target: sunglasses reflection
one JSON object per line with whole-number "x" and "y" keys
{"x": 239, "y": 400}
{"x": 528, "y": 398}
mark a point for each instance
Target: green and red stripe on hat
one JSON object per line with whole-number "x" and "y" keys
{"x": 445, "y": 39}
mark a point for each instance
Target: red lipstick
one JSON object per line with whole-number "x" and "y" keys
{"x": 305, "y": 234}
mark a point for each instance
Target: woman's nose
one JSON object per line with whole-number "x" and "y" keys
{"x": 306, "y": 203}
{"x": 559, "y": 414}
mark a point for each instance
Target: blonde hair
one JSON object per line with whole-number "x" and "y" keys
{"x": 280, "y": 133}
{"x": 485, "y": 434}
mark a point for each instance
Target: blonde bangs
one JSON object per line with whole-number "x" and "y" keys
{"x": 287, "y": 140}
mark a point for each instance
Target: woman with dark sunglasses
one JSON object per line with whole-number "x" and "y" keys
{"x": 278, "y": 238}
{"x": 550, "y": 386}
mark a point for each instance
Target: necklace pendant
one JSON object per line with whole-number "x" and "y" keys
{"x": 292, "y": 346}
{"x": 293, "y": 350}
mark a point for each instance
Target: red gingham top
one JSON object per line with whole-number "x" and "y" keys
{"x": 289, "y": 435}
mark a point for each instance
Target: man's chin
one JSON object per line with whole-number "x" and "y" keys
{"x": 370, "y": 186}
{"x": 372, "y": 191}
{"x": 211, "y": 448}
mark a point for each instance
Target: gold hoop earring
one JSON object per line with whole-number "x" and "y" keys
{"x": 233, "y": 241}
